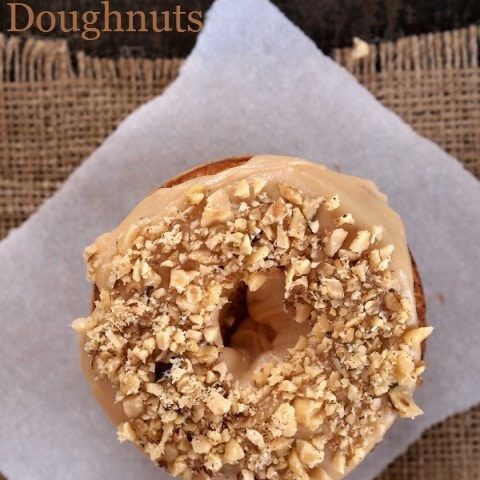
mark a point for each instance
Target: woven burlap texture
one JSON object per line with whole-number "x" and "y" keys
{"x": 55, "y": 108}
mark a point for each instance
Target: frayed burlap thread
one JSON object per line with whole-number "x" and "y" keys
{"x": 56, "y": 108}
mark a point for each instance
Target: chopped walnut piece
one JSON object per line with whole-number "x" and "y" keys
{"x": 321, "y": 327}
{"x": 246, "y": 245}
{"x": 290, "y": 193}
{"x": 310, "y": 207}
{"x": 233, "y": 452}
{"x": 242, "y": 190}
{"x": 392, "y": 303}
{"x": 345, "y": 219}
{"x": 129, "y": 383}
{"x": 179, "y": 279}
{"x": 308, "y": 412}
{"x": 133, "y": 406}
{"x": 163, "y": 339}
{"x": 361, "y": 241}
{"x": 308, "y": 454}
{"x": 403, "y": 403}
{"x": 297, "y": 225}
{"x": 83, "y": 325}
{"x": 282, "y": 444}
{"x": 297, "y": 467}
{"x": 334, "y": 241}
{"x": 404, "y": 369}
{"x": 275, "y": 213}
{"x": 301, "y": 266}
{"x": 179, "y": 466}
{"x": 258, "y": 255}
{"x": 217, "y": 209}
{"x": 125, "y": 433}
{"x": 377, "y": 233}
{"x": 90, "y": 250}
{"x": 282, "y": 238}
{"x": 130, "y": 236}
{"x": 339, "y": 462}
{"x": 258, "y": 185}
{"x": 314, "y": 226}
{"x": 334, "y": 288}
{"x": 332, "y": 204}
{"x": 196, "y": 195}
{"x": 416, "y": 336}
{"x": 256, "y": 280}
{"x": 201, "y": 444}
{"x": 256, "y": 438}
{"x": 211, "y": 333}
{"x": 214, "y": 462}
{"x": 218, "y": 404}
{"x": 247, "y": 475}
{"x": 319, "y": 474}
{"x": 283, "y": 421}
{"x": 154, "y": 389}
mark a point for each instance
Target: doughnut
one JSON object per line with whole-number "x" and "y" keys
{"x": 255, "y": 318}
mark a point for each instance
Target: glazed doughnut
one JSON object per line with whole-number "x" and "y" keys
{"x": 256, "y": 318}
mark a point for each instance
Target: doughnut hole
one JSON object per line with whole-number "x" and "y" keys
{"x": 256, "y": 328}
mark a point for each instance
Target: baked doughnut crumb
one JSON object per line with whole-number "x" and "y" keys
{"x": 160, "y": 328}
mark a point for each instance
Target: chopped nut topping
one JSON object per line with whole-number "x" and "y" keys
{"x": 310, "y": 207}
{"x": 282, "y": 238}
{"x": 246, "y": 245}
{"x": 179, "y": 279}
{"x": 345, "y": 219}
{"x": 130, "y": 236}
{"x": 258, "y": 255}
{"x": 333, "y": 203}
{"x": 242, "y": 189}
{"x": 361, "y": 242}
{"x": 296, "y": 466}
{"x": 334, "y": 241}
{"x": 290, "y": 193}
{"x": 308, "y": 412}
{"x": 233, "y": 452}
{"x": 201, "y": 444}
{"x": 308, "y": 454}
{"x": 275, "y": 213}
{"x": 125, "y": 432}
{"x": 218, "y": 404}
{"x": 297, "y": 225}
{"x": 334, "y": 288}
{"x": 339, "y": 462}
{"x": 196, "y": 195}
{"x": 404, "y": 403}
{"x": 169, "y": 319}
{"x": 83, "y": 325}
{"x": 256, "y": 280}
{"x": 319, "y": 474}
{"x": 217, "y": 209}
{"x": 283, "y": 421}
{"x": 247, "y": 475}
{"x": 258, "y": 184}
{"x": 417, "y": 335}
{"x": 256, "y": 438}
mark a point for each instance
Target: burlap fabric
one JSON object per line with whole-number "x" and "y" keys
{"x": 55, "y": 108}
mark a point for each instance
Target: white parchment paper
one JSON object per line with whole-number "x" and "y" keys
{"x": 253, "y": 84}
